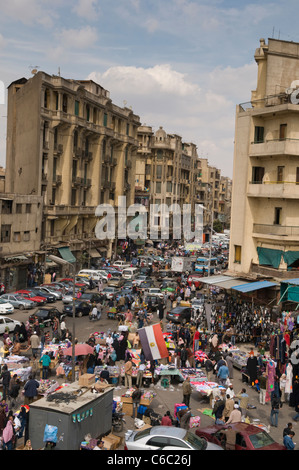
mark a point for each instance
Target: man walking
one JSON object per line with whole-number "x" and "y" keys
{"x": 187, "y": 390}
{"x": 46, "y": 361}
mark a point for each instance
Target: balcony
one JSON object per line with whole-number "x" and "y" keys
{"x": 275, "y": 190}
{"x": 275, "y": 147}
{"x": 276, "y": 232}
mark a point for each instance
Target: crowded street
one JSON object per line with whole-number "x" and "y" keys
{"x": 219, "y": 379}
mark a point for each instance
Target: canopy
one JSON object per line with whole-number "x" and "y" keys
{"x": 66, "y": 254}
{"x": 93, "y": 253}
{"x": 252, "y": 286}
{"x": 80, "y": 350}
{"x": 224, "y": 282}
{"x": 269, "y": 257}
{"x": 289, "y": 290}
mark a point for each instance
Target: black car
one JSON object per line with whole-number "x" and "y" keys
{"x": 81, "y": 308}
{"x": 146, "y": 285}
{"x": 155, "y": 301}
{"x": 49, "y": 297}
{"x": 91, "y": 297}
{"x": 46, "y": 315}
{"x": 180, "y": 315}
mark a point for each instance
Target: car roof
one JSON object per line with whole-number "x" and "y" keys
{"x": 167, "y": 431}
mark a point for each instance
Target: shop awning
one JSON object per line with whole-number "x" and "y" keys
{"x": 67, "y": 255}
{"x": 289, "y": 290}
{"x": 231, "y": 284}
{"x": 269, "y": 256}
{"x": 214, "y": 280}
{"x": 252, "y": 286}
{"x": 93, "y": 253}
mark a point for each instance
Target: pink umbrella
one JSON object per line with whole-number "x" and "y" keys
{"x": 81, "y": 349}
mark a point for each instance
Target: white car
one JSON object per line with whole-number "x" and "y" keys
{"x": 167, "y": 438}
{"x": 6, "y": 322}
{"x": 6, "y": 307}
{"x": 141, "y": 278}
{"x": 110, "y": 292}
{"x": 121, "y": 265}
{"x": 154, "y": 291}
{"x": 67, "y": 298}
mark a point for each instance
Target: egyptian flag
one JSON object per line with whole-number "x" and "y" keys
{"x": 152, "y": 342}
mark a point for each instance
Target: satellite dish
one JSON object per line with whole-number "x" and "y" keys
{"x": 289, "y": 91}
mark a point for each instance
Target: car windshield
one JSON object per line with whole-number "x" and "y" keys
{"x": 195, "y": 441}
{"x": 42, "y": 313}
{"x": 141, "y": 434}
{"x": 19, "y": 297}
{"x": 3, "y": 301}
{"x": 261, "y": 439}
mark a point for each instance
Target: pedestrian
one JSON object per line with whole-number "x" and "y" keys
{"x": 46, "y": 361}
{"x": 30, "y": 390}
{"x": 6, "y": 377}
{"x": 288, "y": 441}
{"x": 183, "y": 356}
{"x": 187, "y": 390}
{"x": 140, "y": 373}
{"x": 8, "y": 434}
{"x": 288, "y": 428}
{"x": 275, "y": 405}
{"x": 228, "y": 408}
{"x": 235, "y": 416}
{"x": 230, "y": 362}
{"x": 166, "y": 419}
{"x": 34, "y": 343}
{"x": 128, "y": 373}
{"x": 3, "y": 419}
{"x": 14, "y": 390}
{"x": 218, "y": 410}
{"x": 263, "y": 388}
{"x": 136, "y": 396}
{"x": 223, "y": 374}
{"x": 231, "y": 435}
{"x": 243, "y": 403}
{"x": 184, "y": 416}
{"x": 209, "y": 366}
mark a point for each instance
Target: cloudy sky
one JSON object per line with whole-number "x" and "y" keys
{"x": 180, "y": 64}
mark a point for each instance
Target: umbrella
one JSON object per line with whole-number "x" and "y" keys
{"x": 81, "y": 349}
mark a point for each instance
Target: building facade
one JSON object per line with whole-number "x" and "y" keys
{"x": 68, "y": 143}
{"x": 265, "y": 198}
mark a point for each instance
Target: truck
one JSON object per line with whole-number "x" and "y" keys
{"x": 181, "y": 264}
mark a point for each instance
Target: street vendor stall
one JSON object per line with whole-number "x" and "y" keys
{"x": 75, "y": 412}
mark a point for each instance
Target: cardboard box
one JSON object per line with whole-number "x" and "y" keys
{"x": 115, "y": 439}
{"x": 127, "y": 408}
{"x": 101, "y": 387}
{"x": 145, "y": 401}
{"x": 86, "y": 380}
{"x": 109, "y": 444}
{"x": 127, "y": 399}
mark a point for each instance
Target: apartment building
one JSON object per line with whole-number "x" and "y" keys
{"x": 165, "y": 170}
{"x": 68, "y": 142}
{"x": 265, "y": 194}
{"x": 20, "y": 231}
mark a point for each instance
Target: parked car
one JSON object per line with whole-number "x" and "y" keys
{"x": 121, "y": 264}
{"x": 5, "y": 307}
{"x": 141, "y": 278}
{"x": 179, "y": 315}
{"x": 6, "y": 322}
{"x": 146, "y": 285}
{"x": 155, "y": 300}
{"x": 248, "y": 437}
{"x": 46, "y": 315}
{"x": 91, "y": 297}
{"x": 110, "y": 292}
{"x": 31, "y": 296}
{"x": 57, "y": 294}
{"x": 81, "y": 308}
{"x": 168, "y": 286}
{"x": 154, "y": 291}
{"x": 167, "y": 438}
{"x": 50, "y": 298}
{"x": 116, "y": 282}
{"x": 18, "y": 301}
{"x": 67, "y": 298}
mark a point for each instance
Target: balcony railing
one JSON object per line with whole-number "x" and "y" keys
{"x": 277, "y": 230}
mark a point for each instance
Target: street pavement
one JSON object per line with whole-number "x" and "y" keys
{"x": 166, "y": 399}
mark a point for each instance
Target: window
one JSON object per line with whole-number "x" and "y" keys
{"x": 74, "y": 197}
{"x": 280, "y": 170}
{"x": 159, "y": 171}
{"x": 169, "y": 187}
{"x": 28, "y": 208}
{"x": 297, "y": 175}
{"x": 64, "y": 103}
{"x": 277, "y": 215}
{"x": 26, "y": 236}
{"x": 87, "y": 113}
{"x": 257, "y": 174}
{"x": 258, "y": 134}
{"x": 18, "y": 208}
{"x": 6, "y": 207}
{"x": 17, "y": 236}
{"x": 238, "y": 253}
{"x": 75, "y": 140}
{"x": 5, "y": 233}
{"x": 283, "y": 131}
{"x": 47, "y": 98}
{"x": 77, "y": 108}
{"x": 128, "y": 129}
{"x": 158, "y": 441}
{"x": 159, "y": 154}
{"x": 105, "y": 120}
{"x": 158, "y": 187}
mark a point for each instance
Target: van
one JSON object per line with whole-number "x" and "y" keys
{"x": 93, "y": 273}
{"x": 130, "y": 273}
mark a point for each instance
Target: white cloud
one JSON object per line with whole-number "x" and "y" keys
{"x": 78, "y": 38}
{"x": 29, "y": 12}
{"x": 87, "y": 9}
{"x": 140, "y": 81}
